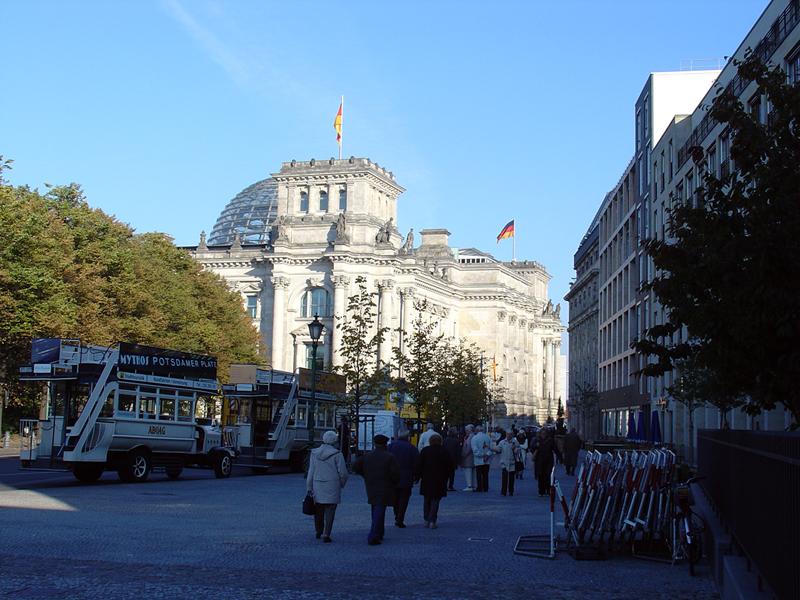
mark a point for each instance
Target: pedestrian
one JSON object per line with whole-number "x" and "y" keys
{"x": 453, "y": 446}
{"x": 544, "y": 458}
{"x": 327, "y": 475}
{"x": 406, "y": 456}
{"x": 572, "y": 447}
{"x": 482, "y": 451}
{"x": 509, "y": 452}
{"x": 434, "y": 468}
{"x": 344, "y": 439}
{"x": 381, "y": 474}
{"x": 467, "y": 459}
{"x": 425, "y": 438}
{"x": 522, "y": 440}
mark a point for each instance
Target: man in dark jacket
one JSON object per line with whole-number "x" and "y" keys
{"x": 381, "y": 474}
{"x": 406, "y": 455}
{"x": 434, "y": 470}
{"x": 544, "y": 458}
{"x": 453, "y": 446}
{"x": 572, "y": 447}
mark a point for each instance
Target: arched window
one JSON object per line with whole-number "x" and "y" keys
{"x": 316, "y": 301}
{"x": 342, "y": 199}
{"x": 304, "y": 201}
{"x": 323, "y": 201}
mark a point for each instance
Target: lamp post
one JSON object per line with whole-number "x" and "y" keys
{"x": 314, "y": 331}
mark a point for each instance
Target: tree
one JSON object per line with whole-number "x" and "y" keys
{"x": 67, "y": 270}
{"x": 730, "y": 271}
{"x": 419, "y": 362}
{"x": 462, "y": 390}
{"x": 361, "y": 339}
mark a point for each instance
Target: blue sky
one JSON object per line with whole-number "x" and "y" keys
{"x": 485, "y": 111}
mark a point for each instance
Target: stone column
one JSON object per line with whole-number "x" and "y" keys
{"x": 386, "y": 287}
{"x": 340, "y": 286}
{"x": 299, "y": 354}
{"x": 556, "y": 371}
{"x": 546, "y": 381}
{"x": 278, "y": 320}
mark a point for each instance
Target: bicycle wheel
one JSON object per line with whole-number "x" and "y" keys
{"x": 694, "y": 550}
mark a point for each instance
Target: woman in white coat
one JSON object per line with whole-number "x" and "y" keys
{"x": 327, "y": 475}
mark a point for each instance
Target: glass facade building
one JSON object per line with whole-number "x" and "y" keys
{"x": 250, "y": 214}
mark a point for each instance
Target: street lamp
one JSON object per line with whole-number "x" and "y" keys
{"x": 315, "y": 332}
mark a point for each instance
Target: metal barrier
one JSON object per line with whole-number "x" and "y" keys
{"x": 753, "y": 481}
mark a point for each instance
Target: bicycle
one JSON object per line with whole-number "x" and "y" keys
{"x": 687, "y": 526}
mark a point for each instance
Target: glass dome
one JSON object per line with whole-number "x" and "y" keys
{"x": 250, "y": 214}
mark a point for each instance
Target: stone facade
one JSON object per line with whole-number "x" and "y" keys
{"x": 335, "y": 221}
{"x": 583, "y": 328}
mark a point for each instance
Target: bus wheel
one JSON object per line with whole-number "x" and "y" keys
{"x": 174, "y": 472}
{"x": 87, "y": 472}
{"x": 138, "y": 468}
{"x": 223, "y": 465}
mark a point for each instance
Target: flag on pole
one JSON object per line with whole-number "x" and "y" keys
{"x": 507, "y": 232}
{"x": 337, "y": 124}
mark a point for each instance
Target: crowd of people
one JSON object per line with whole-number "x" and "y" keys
{"x": 391, "y": 470}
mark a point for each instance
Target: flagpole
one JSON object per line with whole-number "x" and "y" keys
{"x": 341, "y": 135}
{"x": 514, "y": 244}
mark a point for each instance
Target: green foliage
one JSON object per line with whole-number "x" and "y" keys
{"x": 67, "y": 270}
{"x": 360, "y": 339}
{"x": 444, "y": 378}
{"x": 731, "y": 271}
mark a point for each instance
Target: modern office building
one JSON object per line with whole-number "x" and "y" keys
{"x": 775, "y": 37}
{"x": 671, "y": 119}
{"x": 294, "y": 244}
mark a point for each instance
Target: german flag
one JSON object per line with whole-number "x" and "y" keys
{"x": 337, "y": 123}
{"x": 507, "y": 232}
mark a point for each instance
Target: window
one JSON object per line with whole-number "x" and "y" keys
{"x": 793, "y": 67}
{"x": 323, "y": 201}
{"x": 316, "y": 301}
{"x": 724, "y": 155}
{"x": 671, "y": 156}
{"x": 184, "y": 409}
{"x": 755, "y": 107}
{"x": 252, "y": 306}
{"x": 304, "y": 201}
{"x": 166, "y": 411}
{"x": 147, "y": 406}
{"x": 108, "y": 405}
{"x": 126, "y": 401}
{"x": 343, "y": 199}
{"x": 712, "y": 160}
{"x": 310, "y": 357}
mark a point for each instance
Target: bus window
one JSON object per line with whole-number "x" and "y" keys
{"x": 108, "y": 405}
{"x": 166, "y": 411}
{"x": 147, "y": 406}
{"x": 185, "y": 409}
{"x": 126, "y": 402}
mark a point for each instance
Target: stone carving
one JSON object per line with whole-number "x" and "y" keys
{"x": 408, "y": 246}
{"x": 202, "y": 244}
{"x": 341, "y": 281}
{"x": 279, "y": 282}
{"x": 384, "y": 234}
{"x": 341, "y": 228}
{"x": 557, "y": 311}
{"x": 548, "y": 309}
{"x": 280, "y": 229}
{"x": 501, "y": 315}
{"x": 237, "y": 242}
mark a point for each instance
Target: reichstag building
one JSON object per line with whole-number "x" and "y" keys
{"x": 293, "y": 245}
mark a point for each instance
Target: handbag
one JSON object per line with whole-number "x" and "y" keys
{"x": 308, "y": 504}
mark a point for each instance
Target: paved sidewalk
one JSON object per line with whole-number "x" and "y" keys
{"x": 245, "y": 537}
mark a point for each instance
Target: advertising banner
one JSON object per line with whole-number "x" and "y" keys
{"x": 135, "y": 357}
